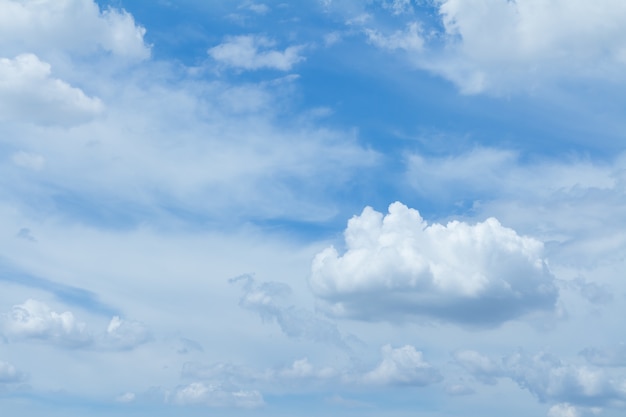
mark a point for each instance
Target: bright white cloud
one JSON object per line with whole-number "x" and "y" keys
{"x": 496, "y": 45}
{"x": 402, "y": 366}
{"x": 253, "y": 52}
{"x": 29, "y": 93}
{"x": 198, "y": 393}
{"x": 74, "y": 26}
{"x": 34, "y": 320}
{"x": 397, "y": 266}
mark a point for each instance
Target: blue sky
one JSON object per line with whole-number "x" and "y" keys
{"x": 329, "y": 207}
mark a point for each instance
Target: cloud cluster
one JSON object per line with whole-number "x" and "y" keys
{"x": 401, "y": 366}
{"x": 253, "y": 52}
{"x": 35, "y": 321}
{"x": 500, "y": 46}
{"x": 396, "y": 266}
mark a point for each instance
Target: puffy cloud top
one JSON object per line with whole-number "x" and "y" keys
{"x": 397, "y": 266}
{"x": 402, "y": 366}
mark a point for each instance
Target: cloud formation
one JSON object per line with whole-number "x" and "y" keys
{"x": 35, "y": 321}
{"x": 492, "y": 45}
{"x": 396, "y": 266}
{"x": 402, "y": 366}
{"x": 29, "y": 93}
{"x": 69, "y": 26}
{"x": 253, "y": 52}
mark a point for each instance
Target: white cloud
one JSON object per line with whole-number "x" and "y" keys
{"x": 29, "y": 93}
{"x": 34, "y": 320}
{"x": 409, "y": 40}
{"x": 498, "y": 45}
{"x": 212, "y": 395}
{"x": 396, "y": 266}
{"x": 402, "y": 366}
{"x": 74, "y": 26}
{"x": 253, "y": 52}
{"x": 563, "y": 201}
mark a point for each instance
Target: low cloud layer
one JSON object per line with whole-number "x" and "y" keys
{"x": 396, "y": 266}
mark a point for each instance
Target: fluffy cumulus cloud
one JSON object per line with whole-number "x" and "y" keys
{"x": 555, "y": 199}
{"x": 74, "y": 26}
{"x": 397, "y": 266}
{"x": 402, "y": 366}
{"x": 253, "y": 52}
{"x": 34, "y": 320}
{"x": 29, "y": 92}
